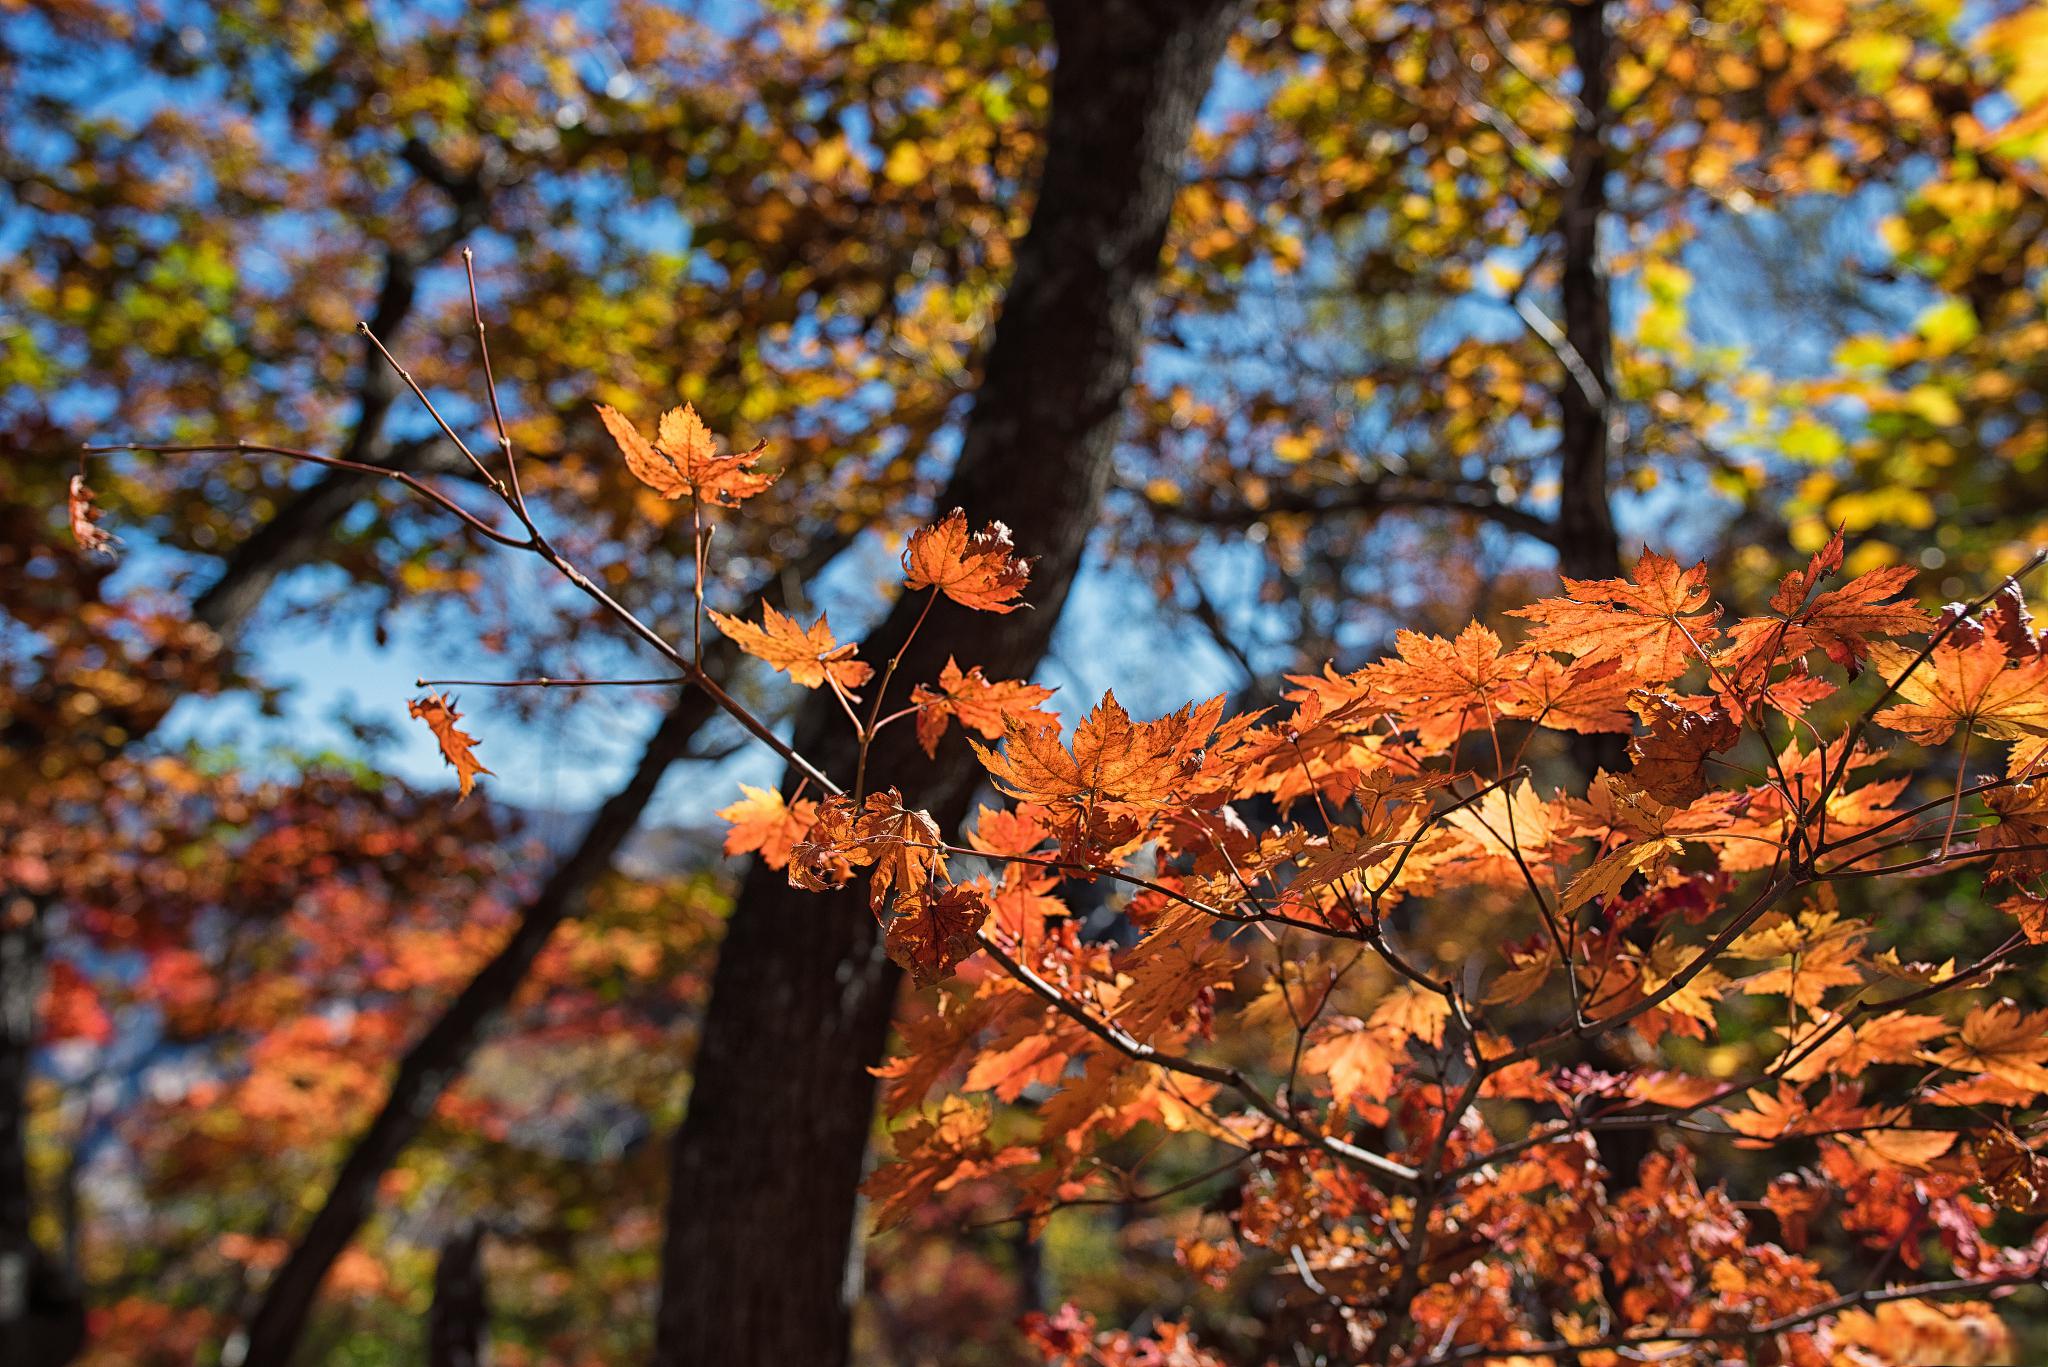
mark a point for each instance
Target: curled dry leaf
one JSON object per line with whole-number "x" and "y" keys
{"x": 1670, "y": 762}
{"x": 976, "y": 570}
{"x": 457, "y": 745}
{"x": 932, "y": 930}
{"x": 85, "y": 529}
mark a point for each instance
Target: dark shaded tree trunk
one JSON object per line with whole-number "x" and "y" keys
{"x": 1586, "y": 543}
{"x": 761, "y": 1263}
{"x": 42, "y": 1313}
{"x": 1587, "y": 546}
{"x": 458, "y": 1322}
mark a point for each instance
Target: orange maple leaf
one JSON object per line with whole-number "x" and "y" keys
{"x": 1113, "y": 757}
{"x": 809, "y": 655}
{"x": 763, "y": 823}
{"x": 1441, "y": 688}
{"x": 900, "y": 843}
{"x": 1358, "y": 1060}
{"x": 976, "y": 570}
{"x": 931, "y": 931}
{"x": 1670, "y": 762}
{"x": 1655, "y": 622}
{"x": 934, "y": 1155}
{"x": 682, "y": 459}
{"x": 1794, "y": 587}
{"x": 1964, "y": 685}
{"x": 2032, "y": 914}
{"x": 1841, "y": 621}
{"x": 2021, "y": 831}
{"x": 2004, "y": 1041}
{"x": 1584, "y": 697}
{"x": 975, "y": 701}
{"x": 456, "y": 744}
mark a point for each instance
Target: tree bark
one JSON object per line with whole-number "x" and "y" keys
{"x": 761, "y": 1263}
{"x": 1586, "y": 542}
{"x": 42, "y": 1312}
{"x": 458, "y": 1322}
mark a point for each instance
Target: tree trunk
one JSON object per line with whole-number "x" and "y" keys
{"x": 458, "y": 1322}
{"x": 1587, "y": 547}
{"x": 761, "y": 1263}
{"x": 42, "y": 1314}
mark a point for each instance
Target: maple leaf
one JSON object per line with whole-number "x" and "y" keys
{"x": 1655, "y": 622}
{"x": 898, "y": 842}
{"x": 456, "y": 744}
{"x": 1795, "y": 1201}
{"x": 2013, "y": 1174}
{"x": 930, "y": 932}
{"x": 682, "y": 459}
{"x": 934, "y": 1155}
{"x": 1173, "y": 970}
{"x": 976, "y": 570}
{"x": 2032, "y": 914}
{"x": 1880, "y": 1150}
{"x": 1441, "y": 688}
{"x": 826, "y": 855}
{"x": 976, "y": 702}
{"x": 763, "y": 823}
{"x": 1830, "y": 1049}
{"x": 2009, "y": 623}
{"x": 1670, "y": 960}
{"x": 2005, "y": 1042}
{"x": 1823, "y": 950}
{"x": 1670, "y": 762}
{"x": 1771, "y": 1116}
{"x": 1964, "y": 685}
{"x": 92, "y": 538}
{"x": 809, "y": 655}
{"x": 1795, "y": 586}
{"x": 1113, "y": 758}
{"x": 2021, "y": 831}
{"x": 931, "y": 1044}
{"x": 1605, "y": 876}
{"x": 1358, "y": 1060}
{"x": 1584, "y": 697}
{"x": 1412, "y": 1011}
{"x": 1842, "y": 620}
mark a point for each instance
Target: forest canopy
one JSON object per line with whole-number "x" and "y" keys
{"x": 1112, "y": 682}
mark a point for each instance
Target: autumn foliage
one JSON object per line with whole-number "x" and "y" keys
{"x": 1398, "y": 975}
{"x": 1597, "y": 444}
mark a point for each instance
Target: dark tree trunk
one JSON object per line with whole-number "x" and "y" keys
{"x": 1587, "y": 545}
{"x": 761, "y": 1263}
{"x": 1587, "y": 548}
{"x": 42, "y": 1314}
{"x": 458, "y": 1322}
